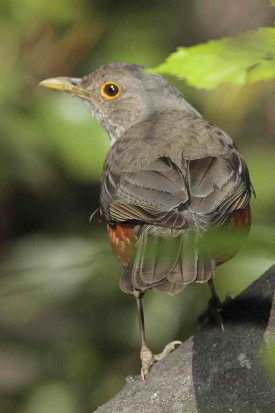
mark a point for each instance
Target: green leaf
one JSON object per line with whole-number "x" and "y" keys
{"x": 272, "y": 2}
{"x": 247, "y": 58}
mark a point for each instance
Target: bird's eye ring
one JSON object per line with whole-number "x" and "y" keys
{"x": 110, "y": 90}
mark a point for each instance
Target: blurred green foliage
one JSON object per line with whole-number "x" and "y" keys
{"x": 68, "y": 335}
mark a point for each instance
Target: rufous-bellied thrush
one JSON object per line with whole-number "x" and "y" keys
{"x": 170, "y": 180}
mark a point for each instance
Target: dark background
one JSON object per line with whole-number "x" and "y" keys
{"x": 68, "y": 335}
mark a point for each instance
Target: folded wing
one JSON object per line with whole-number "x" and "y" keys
{"x": 172, "y": 207}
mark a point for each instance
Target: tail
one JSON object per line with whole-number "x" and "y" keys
{"x": 166, "y": 260}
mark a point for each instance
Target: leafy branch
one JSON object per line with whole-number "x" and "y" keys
{"x": 246, "y": 58}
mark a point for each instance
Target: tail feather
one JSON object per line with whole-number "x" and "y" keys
{"x": 166, "y": 260}
{"x": 186, "y": 267}
{"x": 169, "y": 287}
{"x": 206, "y": 268}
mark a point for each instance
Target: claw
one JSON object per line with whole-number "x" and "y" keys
{"x": 148, "y": 358}
{"x": 167, "y": 349}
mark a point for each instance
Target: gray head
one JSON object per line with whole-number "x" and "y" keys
{"x": 122, "y": 95}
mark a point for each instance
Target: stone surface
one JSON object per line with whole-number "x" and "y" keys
{"x": 212, "y": 371}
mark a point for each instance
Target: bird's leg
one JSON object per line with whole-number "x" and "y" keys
{"x": 215, "y": 304}
{"x": 146, "y": 355}
{"x": 214, "y": 300}
{"x": 214, "y": 307}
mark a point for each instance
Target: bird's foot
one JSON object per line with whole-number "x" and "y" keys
{"x": 228, "y": 299}
{"x": 148, "y": 358}
{"x": 213, "y": 313}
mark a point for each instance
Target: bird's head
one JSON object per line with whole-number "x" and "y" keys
{"x": 122, "y": 95}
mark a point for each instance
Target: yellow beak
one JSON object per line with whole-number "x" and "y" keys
{"x": 68, "y": 85}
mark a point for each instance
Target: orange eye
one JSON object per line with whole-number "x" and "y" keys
{"x": 110, "y": 90}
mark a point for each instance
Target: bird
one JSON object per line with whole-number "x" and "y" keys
{"x": 171, "y": 181}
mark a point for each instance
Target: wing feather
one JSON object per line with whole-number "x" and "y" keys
{"x": 173, "y": 206}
